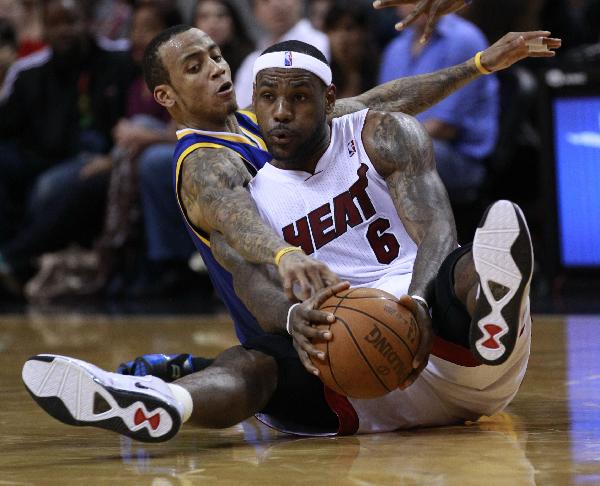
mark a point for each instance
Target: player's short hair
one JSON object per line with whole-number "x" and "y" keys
{"x": 297, "y": 46}
{"x": 155, "y": 72}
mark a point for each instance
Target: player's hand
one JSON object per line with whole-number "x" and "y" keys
{"x": 310, "y": 274}
{"x": 423, "y": 319}
{"x": 515, "y": 46}
{"x": 302, "y": 319}
{"x": 99, "y": 164}
{"x": 433, "y": 9}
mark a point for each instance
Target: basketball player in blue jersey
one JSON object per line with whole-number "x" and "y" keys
{"x": 479, "y": 296}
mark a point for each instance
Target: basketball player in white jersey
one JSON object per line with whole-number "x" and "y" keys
{"x": 371, "y": 201}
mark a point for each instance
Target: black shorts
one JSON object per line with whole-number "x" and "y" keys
{"x": 298, "y": 403}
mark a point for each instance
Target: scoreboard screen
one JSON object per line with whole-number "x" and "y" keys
{"x": 576, "y": 140}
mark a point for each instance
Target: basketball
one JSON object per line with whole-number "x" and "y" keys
{"x": 374, "y": 341}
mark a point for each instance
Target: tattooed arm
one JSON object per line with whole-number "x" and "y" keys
{"x": 267, "y": 303}
{"x": 415, "y": 94}
{"x": 402, "y": 153}
{"x": 215, "y": 198}
{"x": 264, "y": 298}
{"x": 214, "y": 195}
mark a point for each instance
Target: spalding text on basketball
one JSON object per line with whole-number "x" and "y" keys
{"x": 380, "y": 343}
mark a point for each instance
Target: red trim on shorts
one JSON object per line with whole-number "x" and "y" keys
{"x": 344, "y": 410}
{"x": 453, "y": 353}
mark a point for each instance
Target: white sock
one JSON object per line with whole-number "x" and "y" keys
{"x": 183, "y": 396}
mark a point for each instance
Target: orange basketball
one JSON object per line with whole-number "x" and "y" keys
{"x": 374, "y": 341}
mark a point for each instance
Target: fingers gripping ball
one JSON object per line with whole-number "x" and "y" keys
{"x": 374, "y": 342}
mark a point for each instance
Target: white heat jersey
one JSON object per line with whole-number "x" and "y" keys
{"x": 342, "y": 211}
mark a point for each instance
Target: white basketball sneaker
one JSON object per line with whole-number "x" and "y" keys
{"x": 79, "y": 393}
{"x": 503, "y": 258}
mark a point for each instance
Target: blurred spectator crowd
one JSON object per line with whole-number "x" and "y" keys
{"x": 86, "y": 199}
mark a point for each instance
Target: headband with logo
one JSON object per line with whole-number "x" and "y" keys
{"x": 293, "y": 60}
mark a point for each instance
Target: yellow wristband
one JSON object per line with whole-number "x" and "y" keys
{"x": 478, "y": 64}
{"x": 285, "y": 250}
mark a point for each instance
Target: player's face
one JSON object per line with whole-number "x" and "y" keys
{"x": 292, "y": 106}
{"x": 200, "y": 93}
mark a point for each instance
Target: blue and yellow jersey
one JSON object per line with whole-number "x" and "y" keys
{"x": 252, "y": 149}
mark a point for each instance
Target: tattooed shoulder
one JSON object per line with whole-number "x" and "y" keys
{"x": 205, "y": 174}
{"x": 396, "y": 141}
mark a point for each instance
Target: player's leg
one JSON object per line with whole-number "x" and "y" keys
{"x": 489, "y": 286}
{"x": 238, "y": 385}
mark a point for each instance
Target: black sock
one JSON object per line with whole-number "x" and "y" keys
{"x": 451, "y": 320}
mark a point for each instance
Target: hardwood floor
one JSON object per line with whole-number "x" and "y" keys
{"x": 550, "y": 434}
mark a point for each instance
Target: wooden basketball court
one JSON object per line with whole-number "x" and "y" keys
{"x": 549, "y": 435}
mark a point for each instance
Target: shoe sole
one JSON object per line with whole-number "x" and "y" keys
{"x": 74, "y": 395}
{"x": 503, "y": 258}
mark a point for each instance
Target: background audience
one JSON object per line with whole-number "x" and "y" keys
{"x": 60, "y": 108}
{"x": 8, "y": 47}
{"x": 26, "y": 18}
{"x": 464, "y": 125}
{"x": 139, "y": 129}
{"x": 223, "y": 23}
{"x": 354, "y": 57}
{"x": 281, "y": 20}
{"x": 85, "y": 152}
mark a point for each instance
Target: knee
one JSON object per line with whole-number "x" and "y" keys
{"x": 249, "y": 388}
{"x": 256, "y": 372}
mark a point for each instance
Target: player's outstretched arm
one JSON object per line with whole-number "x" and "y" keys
{"x": 433, "y": 9}
{"x": 258, "y": 286}
{"x": 415, "y": 94}
{"x": 215, "y": 198}
{"x": 402, "y": 154}
{"x": 259, "y": 289}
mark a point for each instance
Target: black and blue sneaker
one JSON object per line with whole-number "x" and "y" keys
{"x": 168, "y": 367}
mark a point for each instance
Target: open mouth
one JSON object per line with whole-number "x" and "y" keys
{"x": 225, "y": 88}
{"x": 281, "y": 136}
